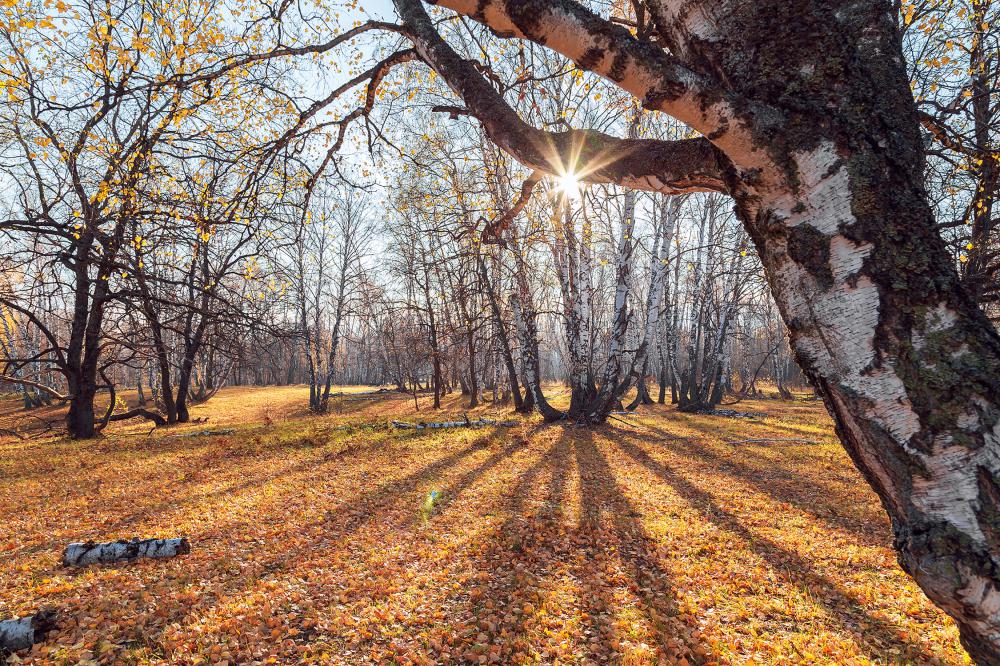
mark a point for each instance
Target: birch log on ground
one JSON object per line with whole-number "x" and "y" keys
{"x": 22, "y": 633}
{"x": 82, "y": 554}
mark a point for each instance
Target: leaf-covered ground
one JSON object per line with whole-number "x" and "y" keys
{"x": 652, "y": 540}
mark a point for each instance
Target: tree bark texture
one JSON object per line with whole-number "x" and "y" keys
{"x": 22, "y": 633}
{"x": 82, "y": 554}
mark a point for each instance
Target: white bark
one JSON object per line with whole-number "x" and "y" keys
{"x": 82, "y": 554}
{"x": 840, "y": 343}
{"x": 17, "y": 634}
{"x": 22, "y": 633}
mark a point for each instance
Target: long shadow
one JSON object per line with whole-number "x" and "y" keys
{"x": 339, "y": 522}
{"x": 453, "y": 490}
{"x": 775, "y": 480}
{"x": 794, "y": 569}
{"x": 347, "y": 517}
{"x": 347, "y": 405}
{"x": 505, "y": 595}
{"x": 608, "y": 516}
{"x": 178, "y": 501}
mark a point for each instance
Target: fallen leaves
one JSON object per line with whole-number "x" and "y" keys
{"x": 653, "y": 544}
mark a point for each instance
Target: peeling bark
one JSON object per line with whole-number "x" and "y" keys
{"x": 22, "y": 633}
{"x": 82, "y": 554}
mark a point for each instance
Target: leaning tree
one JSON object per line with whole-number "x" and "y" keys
{"x": 806, "y": 119}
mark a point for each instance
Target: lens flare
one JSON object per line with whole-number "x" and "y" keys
{"x": 569, "y": 183}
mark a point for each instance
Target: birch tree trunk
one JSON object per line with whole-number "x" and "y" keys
{"x": 82, "y": 554}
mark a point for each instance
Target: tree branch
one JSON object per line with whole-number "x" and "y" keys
{"x": 493, "y": 230}
{"x": 668, "y": 167}
{"x": 660, "y": 80}
{"x": 41, "y": 387}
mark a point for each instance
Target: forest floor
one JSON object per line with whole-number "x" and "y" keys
{"x": 651, "y": 540}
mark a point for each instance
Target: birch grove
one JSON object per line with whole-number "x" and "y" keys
{"x": 572, "y": 209}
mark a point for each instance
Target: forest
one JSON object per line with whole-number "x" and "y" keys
{"x": 499, "y": 332}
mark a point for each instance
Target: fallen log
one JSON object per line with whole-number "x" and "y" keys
{"x": 729, "y": 413}
{"x": 82, "y": 554}
{"x": 207, "y": 433}
{"x": 456, "y": 424}
{"x": 349, "y": 394}
{"x": 22, "y": 633}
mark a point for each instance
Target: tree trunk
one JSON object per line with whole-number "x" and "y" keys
{"x": 501, "y": 330}
{"x": 80, "y": 417}
{"x": 528, "y": 334}
{"x": 22, "y": 633}
{"x": 902, "y": 357}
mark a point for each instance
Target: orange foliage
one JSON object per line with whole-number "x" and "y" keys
{"x": 651, "y": 542}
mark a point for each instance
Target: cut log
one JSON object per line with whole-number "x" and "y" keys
{"x": 22, "y": 633}
{"x": 82, "y": 554}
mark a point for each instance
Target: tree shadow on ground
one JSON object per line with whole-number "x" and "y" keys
{"x": 336, "y": 525}
{"x": 515, "y": 607}
{"x": 786, "y": 482}
{"x": 505, "y": 592}
{"x": 609, "y": 516}
{"x": 183, "y": 493}
{"x": 872, "y": 633}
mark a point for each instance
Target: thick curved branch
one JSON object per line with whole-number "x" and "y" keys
{"x": 138, "y": 411}
{"x": 669, "y": 167}
{"x": 658, "y": 79}
{"x": 597, "y": 45}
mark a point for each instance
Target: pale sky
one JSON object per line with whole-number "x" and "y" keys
{"x": 380, "y": 9}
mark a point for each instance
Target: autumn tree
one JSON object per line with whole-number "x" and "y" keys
{"x": 327, "y": 258}
{"x": 104, "y": 102}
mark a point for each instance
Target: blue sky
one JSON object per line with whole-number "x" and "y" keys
{"x": 380, "y": 9}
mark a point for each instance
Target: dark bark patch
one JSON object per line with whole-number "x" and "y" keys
{"x": 618, "y": 67}
{"x": 665, "y": 92}
{"x": 810, "y": 248}
{"x": 590, "y": 58}
{"x": 988, "y": 512}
